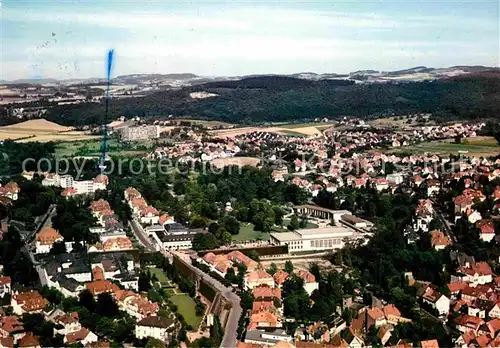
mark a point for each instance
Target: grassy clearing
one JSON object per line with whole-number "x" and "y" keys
{"x": 247, "y": 232}
{"x": 186, "y": 307}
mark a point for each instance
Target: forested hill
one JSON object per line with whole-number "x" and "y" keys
{"x": 279, "y": 99}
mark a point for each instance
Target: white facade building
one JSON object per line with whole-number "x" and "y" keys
{"x": 328, "y": 238}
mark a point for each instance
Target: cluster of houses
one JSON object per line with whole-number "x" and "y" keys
{"x": 145, "y": 213}
{"x": 13, "y": 333}
{"x": 196, "y": 150}
{"x": 112, "y": 236}
{"x": 266, "y": 320}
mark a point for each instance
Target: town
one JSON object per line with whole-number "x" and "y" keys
{"x": 343, "y": 237}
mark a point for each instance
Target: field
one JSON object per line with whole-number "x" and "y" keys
{"x": 206, "y": 123}
{"x": 186, "y": 308}
{"x": 480, "y": 146}
{"x": 42, "y": 131}
{"x": 238, "y": 161}
{"x": 93, "y": 148}
{"x": 247, "y": 232}
{"x": 397, "y": 122}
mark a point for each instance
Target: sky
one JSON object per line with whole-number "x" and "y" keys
{"x": 70, "y": 39}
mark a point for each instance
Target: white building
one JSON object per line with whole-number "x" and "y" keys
{"x": 328, "y": 238}
{"x": 395, "y": 178}
{"x": 436, "y": 300}
{"x": 156, "y": 327}
{"x": 45, "y": 239}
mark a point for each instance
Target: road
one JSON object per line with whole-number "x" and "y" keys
{"x": 230, "y": 332}
{"x": 445, "y": 222}
{"x": 141, "y": 236}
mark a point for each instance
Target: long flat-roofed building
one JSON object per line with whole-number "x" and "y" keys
{"x": 320, "y": 212}
{"x": 327, "y": 238}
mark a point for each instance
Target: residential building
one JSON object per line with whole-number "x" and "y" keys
{"x": 45, "y": 239}
{"x": 28, "y": 302}
{"x": 436, "y": 300}
{"x": 258, "y": 278}
{"x": 83, "y": 336}
{"x": 310, "y": 283}
{"x": 156, "y": 327}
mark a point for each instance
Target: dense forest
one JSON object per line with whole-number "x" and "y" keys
{"x": 279, "y": 99}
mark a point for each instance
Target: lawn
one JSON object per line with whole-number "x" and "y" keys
{"x": 286, "y": 222}
{"x": 247, "y": 232}
{"x": 186, "y": 308}
{"x": 162, "y": 277}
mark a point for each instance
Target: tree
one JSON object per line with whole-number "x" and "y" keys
{"x": 205, "y": 241}
{"x": 289, "y": 267}
{"x": 144, "y": 281}
{"x": 315, "y": 271}
{"x": 294, "y": 223}
{"x": 154, "y": 296}
{"x": 231, "y": 276}
{"x": 231, "y": 224}
{"x": 154, "y": 343}
{"x": 436, "y": 224}
{"x": 58, "y": 248}
{"x": 106, "y": 305}
{"x": 226, "y": 238}
{"x": 182, "y": 337}
{"x": 272, "y": 269}
{"x": 303, "y": 221}
{"x": 53, "y": 295}
{"x": 216, "y": 332}
{"x": 86, "y": 299}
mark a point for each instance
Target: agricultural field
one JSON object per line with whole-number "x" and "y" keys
{"x": 42, "y": 131}
{"x": 305, "y": 129}
{"x": 206, "y": 123}
{"x": 398, "y": 122}
{"x": 93, "y": 148}
{"x": 480, "y": 146}
{"x": 238, "y": 161}
{"x": 317, "y": 125}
